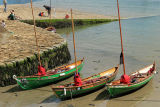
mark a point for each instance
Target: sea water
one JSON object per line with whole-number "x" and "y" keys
{"x": 128, "y": 8}
{"x": 17, "y": 1}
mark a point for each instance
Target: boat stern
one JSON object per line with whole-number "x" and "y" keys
{"x": 61, "y": 92}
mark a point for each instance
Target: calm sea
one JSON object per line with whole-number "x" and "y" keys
{"x": 128, "y": 8}
{"x": 17, "y": 1}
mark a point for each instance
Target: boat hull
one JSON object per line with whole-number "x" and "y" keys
{"x": 79, "y": 90}
{"x": 121, "y": 90}
{"x": 75, "y": 91}
{"x": 35, "y": 82}
{"x": 116, "y": 88}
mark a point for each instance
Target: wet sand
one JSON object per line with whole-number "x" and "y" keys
{"x": 14, "y": 96}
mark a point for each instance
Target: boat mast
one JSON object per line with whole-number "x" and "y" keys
{"x": 50, "y": 11}
{"x": 36, "y": 35}
{"x": 74, "y": 42}
{"x": 121, "y": 37}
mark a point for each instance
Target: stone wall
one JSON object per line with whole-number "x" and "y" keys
{"x": 50, "y": 58}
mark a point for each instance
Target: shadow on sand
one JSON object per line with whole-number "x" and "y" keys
{"x": 19, "y": 89}
{"x": 136, "y": 100}
{"x": 102, "y": 96}
{"x": 14, "y": 89}
{"x": 51, "y": 99}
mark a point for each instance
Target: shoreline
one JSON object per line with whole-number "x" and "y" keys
{"x": 24, "y": 12}
{"x": 16, "y": 36}
{"x": 18, "y": 43}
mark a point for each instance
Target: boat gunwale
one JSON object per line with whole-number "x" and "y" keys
{"x": 37, "y": 76}
{"x": 50, "y": 76}
{"x": 131, "y": 84}
{"x": 72, "y": 87}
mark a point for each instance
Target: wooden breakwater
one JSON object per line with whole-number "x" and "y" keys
{"x": 50, "y": 58}
{"x": 62, "y": 23}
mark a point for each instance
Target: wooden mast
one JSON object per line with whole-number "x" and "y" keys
{"x": 50, "y": 12}
{"x": 121, "y": 37}
{"x": 74, "y": 42}
{"x": 36, "y": 35}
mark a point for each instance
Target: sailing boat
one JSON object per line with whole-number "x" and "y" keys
{"x": 134, "y": 81}
{"x": 51, "y": 76}
{"x": 85, "y": 85}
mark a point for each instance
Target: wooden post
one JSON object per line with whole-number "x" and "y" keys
{"x": 36, "y": 35}
{"x": 121, "y": 37}
{"x": 74, "y": 42}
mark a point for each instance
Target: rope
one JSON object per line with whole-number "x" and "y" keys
{"x": 36, "y": 35}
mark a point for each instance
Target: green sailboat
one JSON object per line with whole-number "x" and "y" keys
{"x": 44, "y": 78}
{"x": 138, "y": 80}
{"x": 52, "y": 76}
{"x": 88, "y": 84}
{"x": 134, "y": 81}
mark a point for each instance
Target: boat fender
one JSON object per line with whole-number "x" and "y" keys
{"x": 64, "y": 91}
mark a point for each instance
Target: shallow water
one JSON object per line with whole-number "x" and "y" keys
{"x": 17, "y": 1}
{"x": 128, "y": 8}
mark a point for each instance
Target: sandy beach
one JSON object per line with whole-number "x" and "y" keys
{"x": 23, "y": 11}
{"x": 22, "y": 35}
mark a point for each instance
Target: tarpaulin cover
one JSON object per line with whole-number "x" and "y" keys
{"x": 125, "y": 79}
{"x": 77, "y": 80}
{"x": 41, "y": 70}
